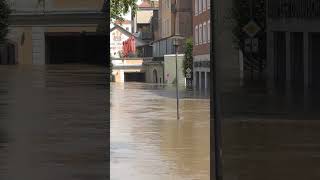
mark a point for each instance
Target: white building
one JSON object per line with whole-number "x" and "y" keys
{"x": 57, "y": 31}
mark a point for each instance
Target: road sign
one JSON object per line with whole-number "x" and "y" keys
{"x": 251, "y": 45}
{"x": 247, "y": 45}
{"x": 252, "y": 28}
{"x": 189, "y": 83}
{"x": 188, "y": 70}
{"x": 255, "y": 45}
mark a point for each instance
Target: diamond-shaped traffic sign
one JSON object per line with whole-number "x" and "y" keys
{"x": 188, "y": 70}
{"x": 252, "y": 28}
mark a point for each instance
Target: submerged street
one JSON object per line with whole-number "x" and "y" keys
{"x": 148, "y": 142}
{"x": 53, "y": 122}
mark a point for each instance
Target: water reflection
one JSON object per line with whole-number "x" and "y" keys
{"x": 147, "y": 142}
{"x": 55, "y": 120}
{"x": 270, "y": 134}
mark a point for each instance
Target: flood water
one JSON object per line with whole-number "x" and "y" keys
{"x": 53, "y": 122}
{"x": 148, "y": 142}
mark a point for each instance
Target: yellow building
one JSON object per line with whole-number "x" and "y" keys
{"x": 57, "y": 31}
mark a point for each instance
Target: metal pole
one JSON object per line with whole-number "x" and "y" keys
{"x": 177, "y": 85}
{"x": 176, "y": 49}
{"x": 215, "y": 102}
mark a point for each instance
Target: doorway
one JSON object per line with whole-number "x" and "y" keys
{"x": 134, "y": 77}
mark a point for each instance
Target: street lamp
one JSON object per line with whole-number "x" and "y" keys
{"x": 176, "y": 42}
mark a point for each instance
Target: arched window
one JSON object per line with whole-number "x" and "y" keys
{"x": 209, "y": 32}
{"x": 196, "y": 35}
{"x": 200, "y": 34}
{"x": 208, "y": 4}
{"x": 204, "y": 32}
{"x": 200, "y": 6}
{"x": 196, "y": 7}
{"x": 204, "y": 5}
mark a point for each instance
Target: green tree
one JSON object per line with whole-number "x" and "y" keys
{"x": 188, "y": 60}
{"x": 4, "y": 20}
{"x": 118, "y": 8}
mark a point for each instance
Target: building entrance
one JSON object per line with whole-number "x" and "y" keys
{"x": 89, "y": 48}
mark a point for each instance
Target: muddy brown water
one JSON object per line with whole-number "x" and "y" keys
{"x": 53, "y": 122}
{"x": 148, "y": 142}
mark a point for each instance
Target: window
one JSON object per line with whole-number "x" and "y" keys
{"x": 200, "y": 34}
{"x": 209, "y": 31}
{"x": 196, "y": 35}
{"x": 164, "y": 28}
{"x": 204, "y": 32}
{"x": 168, "y": 27}
{"x": 208, "y": 4}
{"x": 200, "y": 6}
{"x": 196, "y": 7}
{"x": 204, "y": 5}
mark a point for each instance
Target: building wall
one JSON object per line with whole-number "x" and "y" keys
{"x": 30, "y": 41}
{"x": 170, "y": 69}
{"x": 184, "y": 18}
{"x": 165, "y": 18}
{"x": 132, "y": 65}
{"x": 201, "y": 44}
{"x": 149, "y": 69}
{"x": 33, "y": 5}
{"x": 164, "y": 45}
{"x": 25, "y": 48}
{"x": 202, "y": 18}
{"x": 73, "y": 4}
{"x": 226, "y": 55}
{"x": 116, "y": 39}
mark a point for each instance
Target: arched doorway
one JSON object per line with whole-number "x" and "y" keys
{"x": 155, "y": 76}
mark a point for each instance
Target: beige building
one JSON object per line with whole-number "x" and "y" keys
{"x": 57, "y": 31}
{"x": 174, "y": 16}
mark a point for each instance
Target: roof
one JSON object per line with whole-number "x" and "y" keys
{"x": 139, "y": 41}
{"x": 144, "y": 4}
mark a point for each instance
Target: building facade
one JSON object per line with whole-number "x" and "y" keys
{"x": 173, "y": 17}
{"x": 142, "y": 25}
{"x": 45, "y": 32}
{"x": 201, "y": 44}
{"x": 117, "y": 36}
{"x": 293, "y": 42}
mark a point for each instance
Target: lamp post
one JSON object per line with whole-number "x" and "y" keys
{"x": 176, "y": 42}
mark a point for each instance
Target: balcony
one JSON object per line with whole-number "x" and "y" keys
{"x": 165, "y": 46}
{"x": 146, "y": 36}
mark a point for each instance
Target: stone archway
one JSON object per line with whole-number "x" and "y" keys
{"x": 155, "y": 76}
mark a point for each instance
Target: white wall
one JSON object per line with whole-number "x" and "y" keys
{"x": 116, "y": 45}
